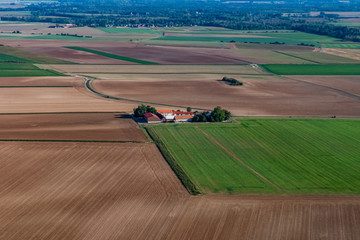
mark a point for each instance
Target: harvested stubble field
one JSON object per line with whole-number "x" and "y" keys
{"x": 70, "y": 126}
{"x": 347, "y": 53}
{"x": 32, "y": 99}
{"x": 260, "y": 96}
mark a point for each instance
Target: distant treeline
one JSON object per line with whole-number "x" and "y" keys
{"x": 170, "y": 13}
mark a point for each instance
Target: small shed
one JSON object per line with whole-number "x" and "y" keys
{"x": 152, "y": 118}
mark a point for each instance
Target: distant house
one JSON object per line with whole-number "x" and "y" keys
{"x": 152, "y": 118}
{"x": 168, "y": 114}
{"x": 183, "y": 118}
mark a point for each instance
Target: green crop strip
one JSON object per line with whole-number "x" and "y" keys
{"x": 109, "y": 55}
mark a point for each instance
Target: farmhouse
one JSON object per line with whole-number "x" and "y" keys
{"x": 168, "y": 114}
{"x": 152, "y": 118}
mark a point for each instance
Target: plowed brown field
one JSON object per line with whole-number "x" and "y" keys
{"x": 268, "y": 96}
{"x": 70, "y": 126}
{"x": 127, "y": 191}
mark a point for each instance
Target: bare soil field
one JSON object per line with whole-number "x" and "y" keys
{"x": 155, "y": 69}
{"x": 127, "y": 191}
{"x": 30, "y": 100}
{"x": 175, "y": 55}
{"x": 74, "y": 126}
{"x": 350, "y": 84}
{"x": 258, "y": 97}
{"x": 39, "y": 81}
{"x": 74, "y": 55}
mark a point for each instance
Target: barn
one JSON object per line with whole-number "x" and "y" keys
{"x": 152, "y": 118}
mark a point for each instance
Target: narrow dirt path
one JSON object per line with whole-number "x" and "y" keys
{"x": 234, "y": 156}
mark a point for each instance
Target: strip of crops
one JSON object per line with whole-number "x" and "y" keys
{"x": 313, "y": 69}
{"x": 311, "y": 156}
{"x": 109, "y": 55}
{"x": 205, "y": 163}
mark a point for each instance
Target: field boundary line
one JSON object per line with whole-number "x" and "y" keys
{"x": 342, "y": 92}
{"x": 184, "y": 178}
{"x": 69, "y": 141}
{"x": 288, "y": 54}
{"x": 238, "y": 159}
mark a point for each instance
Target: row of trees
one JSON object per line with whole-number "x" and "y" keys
{"x": 217, "y": 115}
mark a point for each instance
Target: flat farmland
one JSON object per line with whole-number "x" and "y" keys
{"x": 342, "y": 52}
{"x": 74, "y": 56}
{"x": 56, "y": 99}
{"x": 259, "y": 96}
{"x": 300, "y": 156}
{"x": 126, "y": 190}
{"x": 155, "y": 69}
{"x": 39, "y": 82}
{"x": 347, "y": 84}
{"x": 319, "y": 57}
{"x": 70, "y": 126}
{"x": 174, "y": 55}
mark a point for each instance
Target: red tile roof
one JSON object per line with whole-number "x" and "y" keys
{"x": 165, "y": 111}
{"x": 149, "y": 115}
{"x": 184, "y": 117}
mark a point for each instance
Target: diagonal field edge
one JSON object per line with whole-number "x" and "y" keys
{"x": 114, "y": 56}
{"x": 238, "y": 159}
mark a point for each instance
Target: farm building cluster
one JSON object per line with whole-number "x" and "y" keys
{"x": 169, "y": 116}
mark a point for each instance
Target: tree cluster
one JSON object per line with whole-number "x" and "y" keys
{"x": 217, "y": 115}
{"x": 232, "y": 81}
{"x": 141, "y": 110}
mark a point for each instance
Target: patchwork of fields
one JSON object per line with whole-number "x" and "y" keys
{"x": 74, "y": 164}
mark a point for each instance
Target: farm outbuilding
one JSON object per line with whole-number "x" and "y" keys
{"x": 152, "y": 118}
{"x": 185, "y": 118}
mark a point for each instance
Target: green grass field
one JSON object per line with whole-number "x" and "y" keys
{"x": 109, "y": 55}
{"x": 129, "y": 30}
{"x": 341, "y": 45}
{"x": 24, "y": 70}
{"x": 313, "y": 69}
{"x": 301, "y": 156}
{"x": 9, "y": 58}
